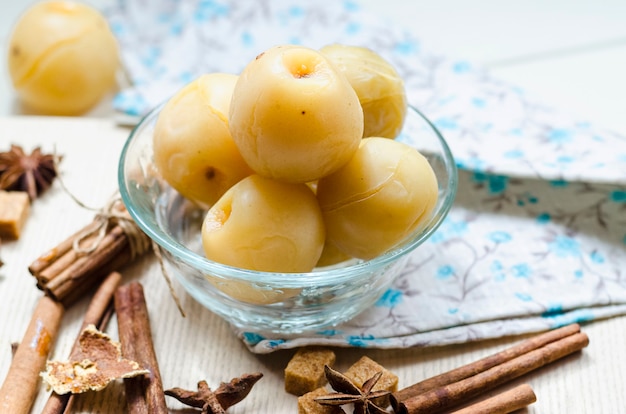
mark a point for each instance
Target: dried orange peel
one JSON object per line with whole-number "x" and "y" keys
{"x": 97, "y": 362}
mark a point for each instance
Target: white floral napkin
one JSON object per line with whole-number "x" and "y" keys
{"x": 537, "y": 235}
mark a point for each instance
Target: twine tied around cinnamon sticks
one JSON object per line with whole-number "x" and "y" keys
{"x": 113, "y": 213}
{"x": 111, "y": 240}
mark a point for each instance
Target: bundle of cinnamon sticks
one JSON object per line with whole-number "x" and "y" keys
{"x": 80, "y": 262}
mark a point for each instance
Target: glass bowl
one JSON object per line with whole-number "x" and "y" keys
{"x": 280, "y": 303}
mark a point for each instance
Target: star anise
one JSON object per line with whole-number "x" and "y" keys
{"x": 347, "y": 392}
{"x": 218, "y": 401}
{"x": 32, "y": 173}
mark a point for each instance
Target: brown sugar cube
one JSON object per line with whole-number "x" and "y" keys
{"x": 14, "y": 208}
{"x": 364, "y": 369}
{"x": 305, "y": 370}
{"x": 308, "y": 405}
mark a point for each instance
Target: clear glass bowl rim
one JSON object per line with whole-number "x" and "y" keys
{"x": 287, "y": 280}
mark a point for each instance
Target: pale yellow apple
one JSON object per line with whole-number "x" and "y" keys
{"x": 193, "y": 149}
{"x": 294, "y": 116}
{"x": 373, "y": 203}
{"x": 62, "y": 57}
{"x": 265, "y": 225}
{"x": 378, "y": 85}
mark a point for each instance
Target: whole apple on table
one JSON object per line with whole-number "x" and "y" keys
{"x": 62, "y": 57}
{"x": 295, "y": 159}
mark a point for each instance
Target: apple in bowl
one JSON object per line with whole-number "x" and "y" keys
{"x": 294, "y": 116}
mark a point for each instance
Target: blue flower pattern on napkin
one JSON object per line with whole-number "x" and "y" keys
{"x": 537, "y": 236}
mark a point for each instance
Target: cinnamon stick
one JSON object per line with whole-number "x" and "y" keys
{"x": 447, "y": 396}
{"x": 49, "y": 257}
{"x": 97, "y": 315}
{"x": 143, "y": 394}
{"x": 19, "y": 389}
{"x": 483, "y": 364}
{"x": 61, "y": 263}
{"x": 503, "y": 403}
